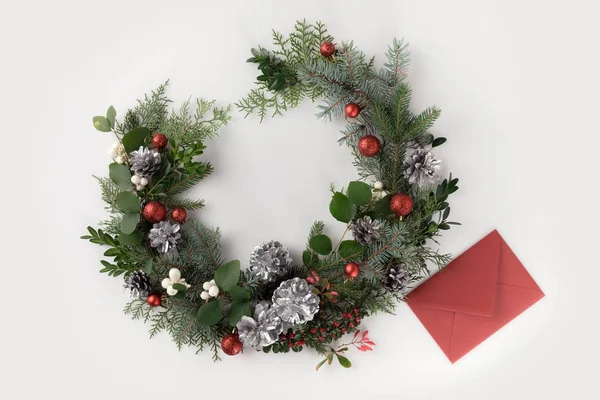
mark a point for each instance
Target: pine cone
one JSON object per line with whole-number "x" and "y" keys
{"x": 396, "y": 277}
{"x": 269, "y": 261}
{"x": 366, "y": 231}
{"x": 144, "y": 162}
{"x": 164, "y": 236}
{"x": 419, "y": 165}
{"x": 138, "y": 283}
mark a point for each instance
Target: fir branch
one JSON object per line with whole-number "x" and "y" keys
{"x": 109, "y": 193}
{"x": 188, "y": 204}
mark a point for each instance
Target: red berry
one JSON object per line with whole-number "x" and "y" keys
{"x": 355, "y": 311}
{"x": 352, "y": 270}
{"x": 357, "y": 319}
{"x": 159, "y": 141}
{"x": 322, "y": 330}
{"x": 336, "y": 324}
{"x": 300, "y": 342}
{"x": 321, "y": 338}
{"x": 351, "y": 325}
{"x": 352, "y": 110}
{"x": 313, "y": 330}
{"x": 327, "y": 49}
{"x": 344, "y": 330}
{"x": 291, "y": 344}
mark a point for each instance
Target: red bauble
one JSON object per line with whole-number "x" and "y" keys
{"x": 178, "y": 215}
{"x": 327, "y": 49}
{"x": 154, "y": 300}
{"x": 369, "y": 146}
{"x": 159, "y": 141}
{"x": 352, "y": 270}
{"x": 352, "y": 110}
{"x": 401, "y": 204}
{"x": 155, "y": 212}
{"x": 231, "y": 344}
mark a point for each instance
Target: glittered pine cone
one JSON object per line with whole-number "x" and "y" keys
{"x": 269, "y": 261}
{"x": 366, "y": 231}
{"x": 138, "y": 284}
{"x": 164, "y": 236}
{"x": 420, "y": 166}
{"x": 263, "y": 329}
{"x": 294, "y": 301}
{"x": 396, "y": 277}
{"x": 144, "y": 162}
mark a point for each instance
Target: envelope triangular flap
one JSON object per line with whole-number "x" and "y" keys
{"x": 467, "y": 284}
{"x": 512, "y": 272}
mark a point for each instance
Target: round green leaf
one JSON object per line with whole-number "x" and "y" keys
{"x": 341, "y": 207}
{"x": 135, "y": 138}
{"x": 237, "y": 311}
{"x": 128, "y": 202}
{"x": 101, "y": 123}
{"x": 321, "y": 244}
{"x": 359, "y": 193}
{"x": 209, "y": 313}
{"x": 120, "y": 175}
{"x": 227, "y": 275}
{"x": 383, "y": 206}
{"x": 350, "y": 249}
{"x": 129, "y": 222}
{"x": 111, "y": 116}
{"x": 130, "y": 239}
{"x": 344, "y": 362}
{"x": 238, "y": 294}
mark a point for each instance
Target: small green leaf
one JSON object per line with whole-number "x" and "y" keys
{"x": 350, "y": 249}
{"x": 321, "y": 244}
{"x": 148, "y": 266}
{"x": 209, "y": 313}
{"x": 307, "y": 258}
{"x": 438, "y": 142}
{"x": 238, "y": 294}
{"x": 128, "y": 202}
{"x": 101, "y": 123}
{"x": 237, "y": 311}
{"x": 444, "y": 226}
{"x": 383, "y": 206}
{"x": 135, "y": 138}
{"x": 446, "y": 213}
{"x": 111, "y": 115}
{"x": 344, "y": 362}
{"x": 227, "y": 275}
{"x": 130, "y": 239}
{"x": 359, "y": 193}
{"x": 341, "y": 207}
{"x": 120, "y": 175}
{"x": 180, "y": 287}
{"x": 319, "y": 365}
{"x": 129, "y": 222}
{"x": 112, "y": 252}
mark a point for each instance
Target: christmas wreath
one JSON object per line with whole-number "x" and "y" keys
{"x": 172, "y": 267}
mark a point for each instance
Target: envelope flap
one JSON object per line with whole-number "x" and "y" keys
{"x": 467, "y": 284}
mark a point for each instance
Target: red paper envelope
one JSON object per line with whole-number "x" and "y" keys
{"x": 478, "y": 293}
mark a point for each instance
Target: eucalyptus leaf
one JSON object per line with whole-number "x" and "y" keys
{"x": 238, "y": 310}
{"x": 227, "y": 275}
{"x": 128, "y": 202}
{"x": 383, "y": 205}
{"x": 321, "y": 244}
{"x": 130, "y": 239}
{"x": 111, "y": 116}
{"x": 209, "y": 313}
{"x": 359, "y": 193}
{"x": 120, "y": 175}
{"x": 238, "y": 294}
{"x": 101, "y": 123}
{"x": 341, "y": 207}
{"x": 135, "y": 138}
{"x": 130, "y": 222}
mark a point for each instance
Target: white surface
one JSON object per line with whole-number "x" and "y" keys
{"x": 518, "y": 85}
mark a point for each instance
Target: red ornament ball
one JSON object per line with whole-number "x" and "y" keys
{"x": 327, "y": 49}
{"x": 231, "y": 344}
{"x": 159, "y": 141}
{"x": 178, "y": 215}
{"x": 155, "y": 212}
{"x": 352, "y": 270}
{"x": 369, "y": 146}
{"x": 401, "y": 204}
{"x": 154, "y": 300}
{"x": 352, "y": 110}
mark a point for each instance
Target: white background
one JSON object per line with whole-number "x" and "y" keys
{"x": 518, "y": 85}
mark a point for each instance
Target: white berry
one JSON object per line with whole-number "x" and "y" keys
{"x": 166, "y": 283}
{"x": 139, "y": 188}
{"x": 212, "y": 282}
{"x": 174, "y": 274}
{"x": 206, "y": 286}
{"x": 378, "y": 185}
{"x": 136, "y": 180}
{"x": 119, "y": 160}
{"x": 204, "y": 295}
{"x": 144, "y": 181}
{"x": 171, "y": 291}
{"x": 213, "y": 291}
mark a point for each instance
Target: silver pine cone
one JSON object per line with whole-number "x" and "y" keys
{"x": 144, "y": 162}
{"x": 270, "y": 260}
{"x": 138, "y": 284}
{"x": 420, "y": 166}
{"x": 262, "y": 330}
{"x": 294, "y": 301}
{"x": 396, "y": 277}
{"x": 164, "y": 236}
{"x": 366, "y": 231}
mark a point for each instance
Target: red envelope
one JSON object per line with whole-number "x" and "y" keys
{"x": 478, "y": 293}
